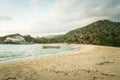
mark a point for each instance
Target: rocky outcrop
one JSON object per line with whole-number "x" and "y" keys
{"x": 15, "y": 40}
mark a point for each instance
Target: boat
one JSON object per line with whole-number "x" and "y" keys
{"x": 57, "y": 47}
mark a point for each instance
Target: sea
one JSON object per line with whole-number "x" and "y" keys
{"x": 10, "y": 52}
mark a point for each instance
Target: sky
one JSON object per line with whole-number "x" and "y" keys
{"x": 49, "y": 17}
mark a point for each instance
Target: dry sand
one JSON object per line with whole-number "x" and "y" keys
{"x": 89, "y": 62}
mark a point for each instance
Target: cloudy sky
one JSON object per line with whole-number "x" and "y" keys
{"x": 45, "y": 17}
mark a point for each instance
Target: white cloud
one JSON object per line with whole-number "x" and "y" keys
{"x": 67, "y": 15}
{"x": 63, "y": 16}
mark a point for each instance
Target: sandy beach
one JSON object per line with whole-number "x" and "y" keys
{"x": 87, "y": 62}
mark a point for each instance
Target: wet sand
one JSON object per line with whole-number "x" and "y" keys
{"x": 87, "y": 62}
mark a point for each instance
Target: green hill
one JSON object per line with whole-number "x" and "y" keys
{"x": 103, "y": 32}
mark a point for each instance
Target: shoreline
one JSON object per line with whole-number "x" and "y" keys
{"x": 40, "y": 56}
{"x": 75, "y": 48}
{"x": 90, "y": 62}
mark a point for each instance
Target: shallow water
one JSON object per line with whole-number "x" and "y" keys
{"x": 15, "y": 51}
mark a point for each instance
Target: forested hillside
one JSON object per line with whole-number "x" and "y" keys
{"x": 103, "y": 32}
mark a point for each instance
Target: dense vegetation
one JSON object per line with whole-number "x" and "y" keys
{"x": 103, "y": 32}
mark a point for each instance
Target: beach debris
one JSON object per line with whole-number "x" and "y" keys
{"x": 88, "y": 71}
{"x": 99, "y": 72}
{"x": 104, "y": 62}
